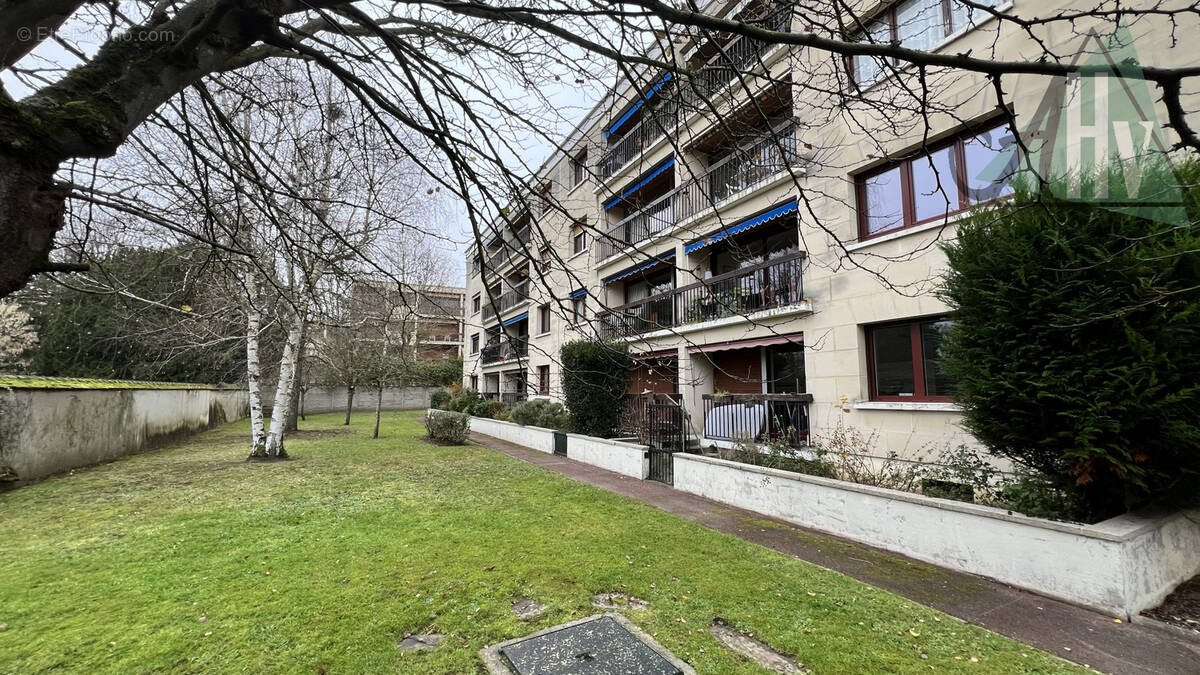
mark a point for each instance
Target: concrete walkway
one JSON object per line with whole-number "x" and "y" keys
{"x": 1071, "y": 632}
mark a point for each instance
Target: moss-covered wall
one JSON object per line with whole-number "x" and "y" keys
{"x": 47, "y": 430}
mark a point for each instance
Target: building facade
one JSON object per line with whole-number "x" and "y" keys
{"x": 765, "y": 233}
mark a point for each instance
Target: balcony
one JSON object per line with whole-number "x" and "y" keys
{"x": 512, "y": 248}
{"x": 734, "y": 58}
{"x": 507, "y": 300}
{"x": 745, "y": 168}
{"x": 652, "y": 127}
{"x": 507, "y": 397}
{"x": 757, "y": 418}
{"x": 755, "y": 288}
{"x": 503, "y": 352}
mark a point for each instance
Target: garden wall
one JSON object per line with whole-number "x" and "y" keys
{"x": 1120, "y": 566}
{"x": 333, "y": 399}
{"x": 617, "y": 456}
{"x": 48, "y": 430}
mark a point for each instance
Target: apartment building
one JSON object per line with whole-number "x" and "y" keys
{"x": 425, "y": 318}
{"x": 763, "y": 234}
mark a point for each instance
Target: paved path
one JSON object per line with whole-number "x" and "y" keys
{"x": 1072, "y": 632}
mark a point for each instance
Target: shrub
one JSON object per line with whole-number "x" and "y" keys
{"x": 478, "y": 408}
{"x": 448, "y": 427}
{"x": 496, "y": 410}
{"x": 463, "y": 401}
{"x": 438, "y": 397}
{"x": 434, "y": 373}
{"x": 1074, "y": 344}
{"x": 779, "y": 455}
{"x": 540, "y": 413}
{"x": 595, "y": 378}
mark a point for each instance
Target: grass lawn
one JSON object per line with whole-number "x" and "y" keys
{"x": 190, "y": 559}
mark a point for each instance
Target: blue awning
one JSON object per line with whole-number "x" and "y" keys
{"x": 654, "y": 173}
{"x": 519, "y": 317}
{"x": 752, "y": 221}
{"x": 637, "y": 106}
{"x": 579, "y": 294}
{"x": 664, "y": 257}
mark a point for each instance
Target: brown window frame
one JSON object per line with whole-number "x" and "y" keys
{"x": 578, "y": 310}
{"x": 476, "y": 304}
{"x": 544, "y": 319}
{"x": 474, "y": 343}
{"x": 908, "y": 194}
{"x": 543, "y": 380}
{"x": 918, "y": 361}
{"x": 579, "y": 167}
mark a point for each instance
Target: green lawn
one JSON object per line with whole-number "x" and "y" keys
{"x": 189, "y": 559}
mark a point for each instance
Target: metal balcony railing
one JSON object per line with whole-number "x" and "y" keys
{"x": 654, "y": 124}
{"x": 757, "y": 417}
{"x": 507, "y": 300}
{"x": 503, "y": 352}
{"x": 754, "y": 288}
{"x": 744, "y": 168}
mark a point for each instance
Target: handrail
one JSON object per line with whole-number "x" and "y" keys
{"x": 743, "y": 271}
{"x": 739, "y": 398}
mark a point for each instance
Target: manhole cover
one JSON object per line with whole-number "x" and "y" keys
{"x": 599, "y": 644}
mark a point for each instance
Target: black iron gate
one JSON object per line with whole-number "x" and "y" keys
{"x": 664, "y": 424}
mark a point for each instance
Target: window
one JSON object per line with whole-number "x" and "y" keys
{"x": 475, "y": 343}
{"x": 914, "y": 24}
{"x": 544, "y": 254}
{"x": 544, "y": 380}
{"x": 579, "y": 310}
{"x": 785, "y": 365}
{"x": 963, "y": 171}
{"x": 475, "y": 382}
{"x": 579, "y": 167}
{"x": 544, "y": 319}
{"x": 904, "y": 363}
{"x": 475, "y": 304}
{"x": 579, "y": 238}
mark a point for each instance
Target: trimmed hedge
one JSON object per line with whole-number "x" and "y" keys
{"x": 1074, "y": 344}
{"x": 595, "y": 378}
{"x": 540, "y": 413}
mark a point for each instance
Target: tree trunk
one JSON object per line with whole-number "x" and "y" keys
{"x": 292, "y": 422}
{"x": 378, "y": 408}
{"x": 303, "y": 391}
{"x": 349, "y": 404}
{"x": 285, "y": 389}
{"x": 253, "y": 382}
{"x": 31, "y": 212}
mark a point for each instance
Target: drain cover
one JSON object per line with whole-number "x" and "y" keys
{"x": 600, "y": 644}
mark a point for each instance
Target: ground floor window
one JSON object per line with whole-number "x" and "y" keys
{"x": 543, "y": 380}
{"x": 475, "y": 382}
{"x": 785, "y": 368}
{"x": 904, "y": 363}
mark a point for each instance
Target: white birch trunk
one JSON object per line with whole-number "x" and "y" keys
{"x": 285, "y": 389}
{"x": 253, "y": 381}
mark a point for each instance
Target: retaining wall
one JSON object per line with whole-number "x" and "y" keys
{"x": 1120, "y": 566}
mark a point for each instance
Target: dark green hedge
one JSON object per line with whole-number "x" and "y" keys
{"x": 595, "y": 378}
{"x": 1075, "y": 344}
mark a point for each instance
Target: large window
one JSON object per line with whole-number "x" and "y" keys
{"x": 949, "y": 178}
{"x": 785, "y": 365}
{"x": 543, "y": 380}
{"x": 904, "y": 363}
{"x": 914, "y": 24}
{"x": 544, "y": 319}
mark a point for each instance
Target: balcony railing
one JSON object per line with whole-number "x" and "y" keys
{"x": 509, "y": 248}
{"x": 654, "y": 124}
{"x": 736, "y": 57}
{"x": 742, "y": 169}
{"x": 775, "y": 283}
{"x": 507, "y": 300}
{"x": 507, "y": 397}
{"x": 757, "y": 417}
{"x": 503, "y": 352}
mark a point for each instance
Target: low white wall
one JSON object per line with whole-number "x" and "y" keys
{"x": 1120, "y": 566}
{"x": 45, "y": 431}
{"x": 618, "y": 456}
{"x": 624, "y": 458}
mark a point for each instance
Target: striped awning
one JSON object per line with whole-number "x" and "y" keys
{"x": 660, "y": 258}
{"x": 579, "y": 294}
{"x": 641, "y": 183}
{"x": 752, "y": 221}
{"x": 637, "y": 106}
{"x": 519, "y": 317}
{"x": 795, "y": 338}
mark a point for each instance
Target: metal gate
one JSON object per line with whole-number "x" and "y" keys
{"x": 664, "y": 423}
{"x": 560, "y": 444}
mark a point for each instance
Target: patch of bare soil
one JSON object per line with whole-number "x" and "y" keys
{"x": 1182, "y": 607}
